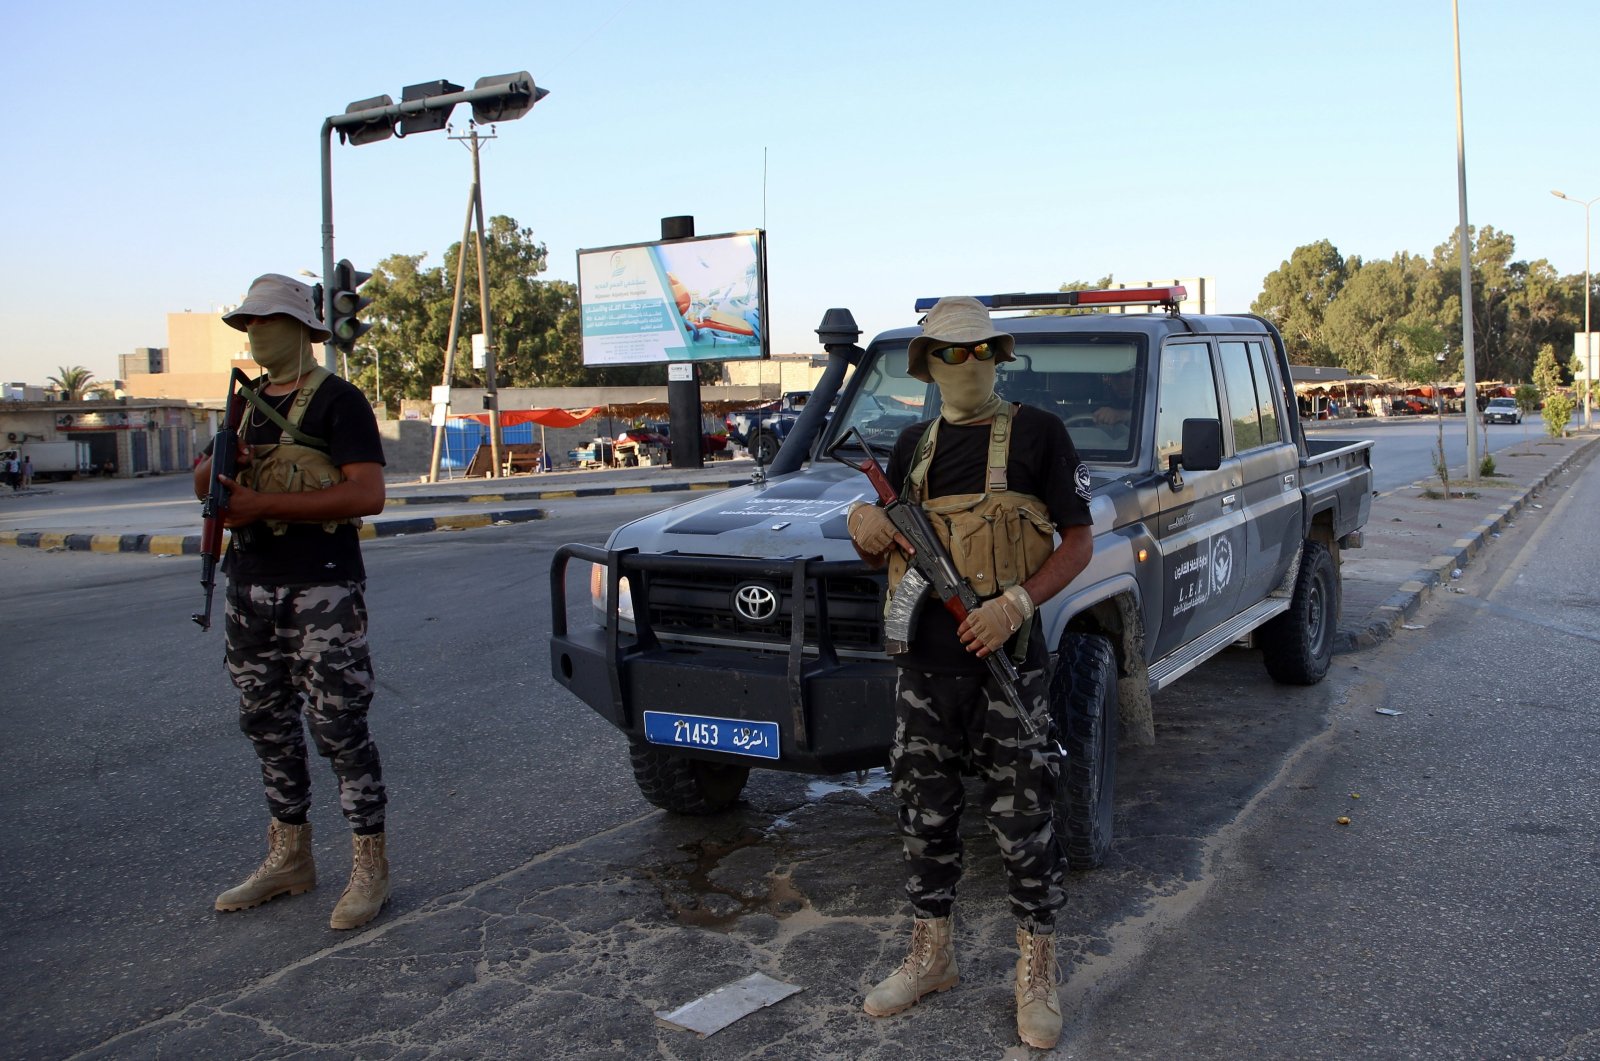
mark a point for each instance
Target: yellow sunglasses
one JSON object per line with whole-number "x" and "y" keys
{"x": 955, "y": 355}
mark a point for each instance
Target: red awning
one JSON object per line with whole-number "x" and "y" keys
{"x": 546, "y": 417}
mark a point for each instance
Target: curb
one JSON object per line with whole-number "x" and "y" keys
{"x": 1404, "y": 602}
{"x": 189, "y": 544}
{"x": 566, "y": 494}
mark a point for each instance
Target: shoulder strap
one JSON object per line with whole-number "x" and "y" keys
{"x": 999, "y": 452}
{"x": 291, "y": 424}
{"x": 921, "y": 459}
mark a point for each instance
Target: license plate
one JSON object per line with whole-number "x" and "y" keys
{"x": 735, "y": 736}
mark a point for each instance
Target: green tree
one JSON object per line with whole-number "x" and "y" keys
{"x": 72, "y": 382}
{"x": 1296, "y": 296}
{"x": 1365, "y": 324}
{"x": 1547, "y": 375}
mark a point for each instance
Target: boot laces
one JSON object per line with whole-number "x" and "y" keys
{"x": 365, "y": 867}
{"x": 1043, "y": 969}
{"x": 921, "y": 953}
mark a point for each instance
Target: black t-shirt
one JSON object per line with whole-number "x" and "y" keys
{"x": 1042, "y": 462}
{"x": 305, "y": 554}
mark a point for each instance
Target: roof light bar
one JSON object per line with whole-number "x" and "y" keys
{"x": 1169, "y": 296}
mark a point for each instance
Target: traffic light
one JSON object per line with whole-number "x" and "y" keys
{"x": 347, "y": 302}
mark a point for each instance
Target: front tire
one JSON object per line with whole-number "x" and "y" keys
{"x": 1297, "y": 646}
{"x": 686, "y": 786}
{"x": 1083, "y": 706}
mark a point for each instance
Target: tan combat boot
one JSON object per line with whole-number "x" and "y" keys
{"x": 368, "y": 889}
{"x": 930, "y": 966}
{"x": 287, "y": 870}
{"x": 1038, "y": 1007}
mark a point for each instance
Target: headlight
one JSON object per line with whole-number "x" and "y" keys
{"x": 597, "y": 593}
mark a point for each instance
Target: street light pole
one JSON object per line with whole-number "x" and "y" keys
{"x": 1468, "y": 360}
{"x": 1588, "y": 338}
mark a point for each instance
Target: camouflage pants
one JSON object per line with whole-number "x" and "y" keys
{"x": 305, "y": 647}
{"x": 947, "y": 724}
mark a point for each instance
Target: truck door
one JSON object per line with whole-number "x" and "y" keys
{"x": 1269, "y": 464}
{"x": 1201, "y": 525}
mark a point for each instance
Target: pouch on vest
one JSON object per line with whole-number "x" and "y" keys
{"x": 298, "y": 462}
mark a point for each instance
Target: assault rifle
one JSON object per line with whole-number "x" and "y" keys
{"x": 224, "y": 462}
{"x": 931, "y": 568}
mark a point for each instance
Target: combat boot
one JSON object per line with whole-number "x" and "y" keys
{"x": 1038, "y": 1007}
{"x": 930, "y": 966}
{"x": 287, "y": 870}
{"x": 368, "y": 889}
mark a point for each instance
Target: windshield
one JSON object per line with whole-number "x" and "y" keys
{"x": 1509, "y": 403}
{"x": 1095, "y": 386}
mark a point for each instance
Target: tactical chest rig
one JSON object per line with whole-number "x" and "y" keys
{"x": 298, "y": 461}
{"x": 997, "y": 539}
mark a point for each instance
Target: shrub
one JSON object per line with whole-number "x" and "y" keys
{"x": 1486, "y": 466}
{"x": 1557, "y": 411}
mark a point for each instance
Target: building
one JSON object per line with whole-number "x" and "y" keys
{"x": 127, "y": 437}
{"x": 200, "y": 354}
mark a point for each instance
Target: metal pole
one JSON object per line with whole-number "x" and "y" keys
{"x": 327, "y": 238}
{"x": 455, "y": 325}
{"x": 493, "y": 396}
{"x": 1469, "y": 369}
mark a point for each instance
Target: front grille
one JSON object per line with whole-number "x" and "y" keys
{"x": 703, "y": 606}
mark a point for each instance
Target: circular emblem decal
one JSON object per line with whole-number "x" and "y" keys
{"x": 755, "y": 602}
{"x": 1083, "y": 484}
{"x": 1221, "y": 564}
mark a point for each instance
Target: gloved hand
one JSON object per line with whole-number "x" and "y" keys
{"x": 870, "y": 528}
{"x": 993, "y": 622}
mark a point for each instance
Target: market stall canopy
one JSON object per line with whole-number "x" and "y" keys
{"x": 542, "y": 417}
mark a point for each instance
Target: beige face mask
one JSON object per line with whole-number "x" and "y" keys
{"x": 966, "y": 390}
{"x": 282, "y": 346}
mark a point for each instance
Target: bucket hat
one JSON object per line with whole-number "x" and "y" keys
{"x": 275, "y": 293}
{"x": 959, "y": 320}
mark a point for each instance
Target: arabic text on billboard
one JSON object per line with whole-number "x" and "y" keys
{"x": 686, "y": 300}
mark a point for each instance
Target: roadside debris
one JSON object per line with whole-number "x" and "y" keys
{"x": 1341, "y": 820}
{"x": 1413, "y": 626}
{"x": 712, "y": 1012}
{"x": 1388, "y": 711}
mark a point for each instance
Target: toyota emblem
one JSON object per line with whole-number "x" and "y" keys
{"x": 755, "y": 602}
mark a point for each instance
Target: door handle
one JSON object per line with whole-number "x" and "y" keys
{"x": 1228, "y": 499}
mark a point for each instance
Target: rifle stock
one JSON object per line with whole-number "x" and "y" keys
{"x": 933, "y": 562}
{"x": 224, "y": 462}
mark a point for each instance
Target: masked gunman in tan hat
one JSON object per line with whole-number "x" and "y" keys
{"x": 310, "y": 466}
{"x": 997, "y": 481}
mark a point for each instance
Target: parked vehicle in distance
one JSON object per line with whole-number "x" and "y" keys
{"x": 1502, "y": 411}
{"x": 741, "y": 629}
{"x": 762, "y": 430}
{"x": 53, "y": 460}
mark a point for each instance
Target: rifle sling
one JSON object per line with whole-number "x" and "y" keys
{"x": 290, "y": 425}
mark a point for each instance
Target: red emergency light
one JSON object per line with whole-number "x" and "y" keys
{"x": 1169, "y": 296}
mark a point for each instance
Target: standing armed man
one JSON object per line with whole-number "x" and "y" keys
{"x": 996, "y": 480}
{"x": 310, "y": 465}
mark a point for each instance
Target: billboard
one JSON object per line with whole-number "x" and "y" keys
{"x": 698, "y": 299}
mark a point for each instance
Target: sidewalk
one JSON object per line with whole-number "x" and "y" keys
{"x": 1412, "y": 541}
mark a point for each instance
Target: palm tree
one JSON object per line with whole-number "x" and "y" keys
{"x": 72, "y": 382}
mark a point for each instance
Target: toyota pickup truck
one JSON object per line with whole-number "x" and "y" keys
{"x": 741, "y": 630}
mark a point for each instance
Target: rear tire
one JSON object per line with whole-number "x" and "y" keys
{"x": 764, "y": 448}
{"x": 1083, "y": 706}
{"x": 1297, "y": 646}
{"x": 686, "y": 786}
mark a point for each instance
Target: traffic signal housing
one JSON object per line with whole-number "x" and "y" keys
{"x": 345, "y": 323}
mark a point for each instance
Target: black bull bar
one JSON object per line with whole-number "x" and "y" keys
{"x": 834, "y": 714}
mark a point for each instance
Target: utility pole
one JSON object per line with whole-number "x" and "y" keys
{"x": 1468, "y": 361}
{"x": 473, "y": 223}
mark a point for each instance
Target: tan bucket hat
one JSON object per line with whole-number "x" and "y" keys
{"x": 959, "y": 320}
{"x": 275, "y": 293}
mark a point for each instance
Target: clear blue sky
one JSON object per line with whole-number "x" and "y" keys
{"x": 163, "y": 154}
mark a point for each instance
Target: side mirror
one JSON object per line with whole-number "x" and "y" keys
{"x": 1202, "y": 450}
